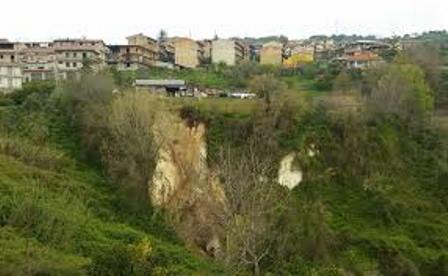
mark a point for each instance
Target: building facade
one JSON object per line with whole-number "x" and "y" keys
{"x": 228, "y": 51}
{"x": 271, "y": 53}
{"x": 130, "y": 57}
{"x": 72, "y": 55}
{"x": 10, "y": 70}
{"x": 38, "y": 61}
{"x": 187, "y": 52}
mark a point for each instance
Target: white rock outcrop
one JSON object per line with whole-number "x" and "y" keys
{"x": 289, "y": 176}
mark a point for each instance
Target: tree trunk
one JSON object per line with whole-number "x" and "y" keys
{"x": 256, "y": 269}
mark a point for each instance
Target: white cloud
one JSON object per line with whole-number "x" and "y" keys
{"x": 114, "y": 20}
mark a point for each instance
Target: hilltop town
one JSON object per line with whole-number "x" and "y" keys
{"x": 22, "y": 62}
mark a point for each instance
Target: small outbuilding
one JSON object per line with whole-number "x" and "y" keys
{"x": 171, "y": 87}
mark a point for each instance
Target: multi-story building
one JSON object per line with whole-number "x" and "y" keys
{"x": 38, "y": 61}
{"x": 10, "y": 70}
{"x": 144, "y": 41}
{"x": 271, "y": 53}
{"x": 228, "y": 51}
{"x": 141, "y": 52}
{"x": 130, "y": 57}
{"x": 74, "y": 54}
{"x": 187, "y": 52}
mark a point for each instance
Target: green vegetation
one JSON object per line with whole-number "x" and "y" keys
{"x": 76, "y": 164}
{"x": 59, "y": 215}
{"x": 373, "y": 199}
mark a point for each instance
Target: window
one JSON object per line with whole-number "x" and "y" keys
{"x": 74, "y": 64}
{"x": 84, "y": 55}
{"x": 128, "y": 65}
{"x": 1, "y": 56}
{"x": 12, "y": 57}
{"x": 67, "y": 55}
{"x": 75, "y": 55}
{"x": 67, "y": 64}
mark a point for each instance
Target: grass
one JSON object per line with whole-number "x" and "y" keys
{"x": 61, "y": 216}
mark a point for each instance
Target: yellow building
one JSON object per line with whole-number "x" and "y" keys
{"x": 271, "y": 53}
{"x": 187, "y": 52}
{"x": 298, "y": 59}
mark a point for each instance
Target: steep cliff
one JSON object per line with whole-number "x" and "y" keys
{"x": 184, "y": 186}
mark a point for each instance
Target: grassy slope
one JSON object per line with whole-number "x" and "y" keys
{"x": 58, "y": 215}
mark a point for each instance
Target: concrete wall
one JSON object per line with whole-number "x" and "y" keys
{"x": 10, "y": 78}
{"x": 186, "y": 53}
{"x": 223, "y": 51}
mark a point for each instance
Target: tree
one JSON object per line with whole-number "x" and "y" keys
{"x": 129, "y": 150}
{"x": 85, "y": 102}
{"x": 163, "y": 36}
{"x": 402, "y": 91}
{"x": 428, "y": 57}
{"x": 266, "y": 87}
{"x": 255, "y": 199}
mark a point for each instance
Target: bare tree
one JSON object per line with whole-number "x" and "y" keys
{"x": 255, "y": 200}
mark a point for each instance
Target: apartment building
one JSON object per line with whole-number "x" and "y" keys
{"x": 10, "y": 71}
{"x": 38, "y": 61}
{"x": 140, "y": 52}
{"x": 228, "y": 51}
{"x": 73, "y": 54}
{"x": 149, "y": 44}
{"x": 130, "y": 57}
{"x": 271, "y": 53}
{"x": 187, "y": 52}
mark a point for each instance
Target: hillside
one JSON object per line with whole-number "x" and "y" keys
{"x": 128, "y": 183}
{"x": 62, "y": 216}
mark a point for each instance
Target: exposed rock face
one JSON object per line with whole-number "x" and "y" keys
{"x": 287, "y": 175}
{"x": 183, "y": 185}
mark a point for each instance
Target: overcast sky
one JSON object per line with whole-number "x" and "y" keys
{"x": 114, "y": 20}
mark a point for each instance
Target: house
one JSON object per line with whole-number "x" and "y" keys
{"x": 360, "y": 60}
{"x": 271, "y": 53}
{"x": 228, "y": 51}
